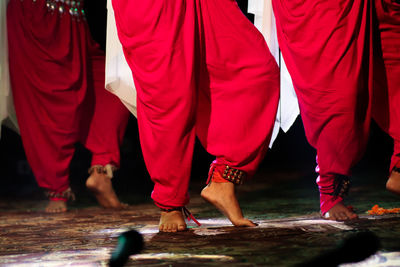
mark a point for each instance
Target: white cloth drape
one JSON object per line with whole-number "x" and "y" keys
{"x": 6, "y": 102}
{"x": 288, "y": 108}
{"x": 119, "y": 79}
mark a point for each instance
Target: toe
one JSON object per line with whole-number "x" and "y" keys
{"x": 168, "y": 228}
{"x": 248, "y": 223}
{"x": 333, "y": 217}
{"x": 181, "y": 227}
{"x": 252, "y": 224}
{"x": 342, "y": 216}
{"x": 352, "y": 216}
{"x": 174, "y": 227}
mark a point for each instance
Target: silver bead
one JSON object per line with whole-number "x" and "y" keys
{"x": 61, "y": 9}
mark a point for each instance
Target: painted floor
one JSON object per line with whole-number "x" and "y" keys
{"x": 282, "y": 198}
{"x": 289, "y": 232}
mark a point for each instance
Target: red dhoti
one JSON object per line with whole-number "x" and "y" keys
{"x": 386, "y": 108}
{"x": 57, "y": 77}
{"x": 327, "y": 49}
{"x": 200, "y": 68}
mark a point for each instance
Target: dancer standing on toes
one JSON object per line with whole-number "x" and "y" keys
{"x": 327, "y": 48}
{"x": 57, "y": 78}
{"x": 353, "y": 46}
{"x": 200, "y": 68}
{"x": 386, "y": 109}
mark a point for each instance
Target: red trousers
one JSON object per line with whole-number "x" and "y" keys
{"x": 330, "y": 48}
{"x": 327, "y": 48}
{"x": 200, "y": 68}
{"x": 57, "y": 77}
{"x": 386, "y": 108}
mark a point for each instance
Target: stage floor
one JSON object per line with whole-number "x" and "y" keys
{"x": 290, "y": 230}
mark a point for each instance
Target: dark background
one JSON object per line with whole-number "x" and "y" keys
{"x": 290, "y": 152}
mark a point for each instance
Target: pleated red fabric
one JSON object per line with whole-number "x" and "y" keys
{"x": 386, "y": 104}
{"x": 327, "y": 48}
{"x": 200, "y": 68}
{"x": 57, "y": 78}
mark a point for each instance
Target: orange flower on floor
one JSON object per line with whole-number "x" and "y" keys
{"x": 376, "y": 210}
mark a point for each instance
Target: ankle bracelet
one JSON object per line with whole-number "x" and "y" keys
{"x": 228, "y": 173}
{"x": 64, "y": 195}
{"x": 108, "y": 170}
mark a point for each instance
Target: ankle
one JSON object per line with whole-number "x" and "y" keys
{"x": 182, "y": 210}
{"x": 107, "y": 170}
{"x": 222, "y": 173}
{"x": 65, "y": 195}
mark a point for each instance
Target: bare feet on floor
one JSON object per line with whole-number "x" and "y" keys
{"x": 393, "y": 183}
{"x": 100, "y": 185}
{"x": 222, "y": 196}
{"x": 340, "y": 212}
{"x": 56, "y": 206}
{"x": 172, "y": 221}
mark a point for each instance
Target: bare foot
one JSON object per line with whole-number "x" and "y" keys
{"x": 56, "y": 206}
{"x": 172, "y": 221}
{"x": 340, "y": 212}
{"x": 393, "y": 183}
{"x": 100, "y": 185}
{"x": 222, "y": 196}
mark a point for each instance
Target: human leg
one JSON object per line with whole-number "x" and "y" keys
{"x": 48, "y": 90}
{"x": 386, "y": 110}
{"x": 327, "y": 49}
{"x": 158, "y": 41}
{"x": 238, "y": 99}
{"x": 103, "y": 130}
